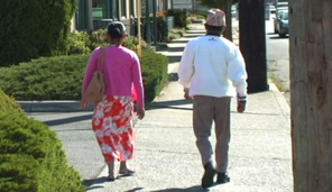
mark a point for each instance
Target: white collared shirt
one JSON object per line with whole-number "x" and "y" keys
{"x": 210, "y": 66}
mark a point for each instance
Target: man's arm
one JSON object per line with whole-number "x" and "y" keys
{"x": 238, "y": 75}
{"x": 186, "y": 68}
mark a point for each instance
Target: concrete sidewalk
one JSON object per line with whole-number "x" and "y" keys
{"x": 168, "y": 160}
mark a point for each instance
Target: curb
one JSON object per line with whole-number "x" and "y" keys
{"x": 281, "y": 100}
{"x": 52, "y": 106}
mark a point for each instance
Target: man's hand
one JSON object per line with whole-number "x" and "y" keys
{"x": 140, "y": 112}
{"x": 241, "y": 103}
{"x": 241, "y": 106}
{"x": 186, "y": 94}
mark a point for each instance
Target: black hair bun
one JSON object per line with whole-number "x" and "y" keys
{"x": 116, "y": 29}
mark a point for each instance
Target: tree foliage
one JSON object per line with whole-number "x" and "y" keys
{"x": 30, "y": 28}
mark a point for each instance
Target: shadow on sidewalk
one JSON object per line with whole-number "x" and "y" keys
{"x": 88, "y": 183}
{"x": 68, "y": 120}
{"x": 178, "y": 41}
{"x": 175, "y": 49}
{"x": 190, "y": 189}
{"x": 173, "y": 77}
{"x": 170, "y": 104}
{"x": 174, "y": 59}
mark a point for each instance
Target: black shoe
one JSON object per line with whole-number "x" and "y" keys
{"x": 209, "y": 173}
{"x": 223, "y": 178}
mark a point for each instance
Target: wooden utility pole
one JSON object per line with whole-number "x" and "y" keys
{"x": 253, "y": 43}
{"x": 139, "y": 35}
{"x": 311, "y": 94}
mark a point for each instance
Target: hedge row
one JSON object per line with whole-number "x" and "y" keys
{"x": 31, "y": 155}
{"x": 30, "y": 29}
{"x": 8, "y": 104}
{"x": 60, "y": 78}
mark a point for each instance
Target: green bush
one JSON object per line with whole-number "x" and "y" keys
{"x": 180, "y": 17}
{"x": 155, "y": 73}
{"x": 32, "y": 159}
{"x": 176, "y": 33}
{"x": 78, "y": 43}
{"x": 60, "y": 78}
{"x": 30, "y": 28}
{"x": 53, "y": 78}
{"x": 8, "y": 104}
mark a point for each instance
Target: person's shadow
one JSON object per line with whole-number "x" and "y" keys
{"x": 93, "y": 183}
{"x": 190, "y": 189}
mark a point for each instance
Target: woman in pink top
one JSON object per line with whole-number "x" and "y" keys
{"x": 112, "y": 116}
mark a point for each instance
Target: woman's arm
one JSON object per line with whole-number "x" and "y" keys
{"x": 90, "y": 69}
{"x": 137, "y": 80}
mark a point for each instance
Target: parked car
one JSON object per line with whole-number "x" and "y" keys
{"x": 281, "y": 23}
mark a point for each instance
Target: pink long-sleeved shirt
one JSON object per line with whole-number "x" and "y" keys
{"x": 122, "y": 72}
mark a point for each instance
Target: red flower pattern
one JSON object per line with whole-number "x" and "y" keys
{"x": 113, "y": 128}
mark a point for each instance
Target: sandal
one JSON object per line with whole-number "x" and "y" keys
{"x": 127, "y": 173}
{"x": 110, "y": 179}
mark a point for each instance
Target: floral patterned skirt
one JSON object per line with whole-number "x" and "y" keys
{"x": 112, "y": 125}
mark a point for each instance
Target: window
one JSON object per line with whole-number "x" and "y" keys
{"x": 98, "y": 9}
{"x": 123, "y": 8}
{"x": 132, "y": 7}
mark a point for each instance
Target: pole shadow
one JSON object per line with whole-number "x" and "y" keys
{"x": 67, "y": 120}
{"x": 174, "y": 59}
{"x": 190, "y": 189}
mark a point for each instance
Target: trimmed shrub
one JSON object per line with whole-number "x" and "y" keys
{"x": 155, "y": 73}
{"x": 32, "y": 159}
{"x": 84, "y": 43}
{"x": 78, "y": 43}
{"x": 180, "y": 17}
{"x": 30, "y": 28}
{"x": 53, "y": 78}
{"x": 176, "y": 33}
{"x": 8, "y": 104}
{"x": 60, "y": 78}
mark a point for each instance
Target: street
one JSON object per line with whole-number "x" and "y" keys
{"x": 278, "y": 58}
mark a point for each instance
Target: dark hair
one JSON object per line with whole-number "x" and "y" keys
{"x": 214, "y": 29}
{"x": 116, "y": 30}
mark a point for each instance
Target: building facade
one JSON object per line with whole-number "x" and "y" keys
{"x": 96, "y": 14}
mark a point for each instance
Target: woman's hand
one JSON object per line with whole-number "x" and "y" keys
{"x": 84, "y": 104}
{"x": 140, "y": 112}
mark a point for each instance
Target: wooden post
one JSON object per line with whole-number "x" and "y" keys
{"x": 253, "y": 43}
{"x": 139, "y": 35}
{"x": 311, "y": 94}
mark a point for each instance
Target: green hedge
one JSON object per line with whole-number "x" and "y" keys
{"x": 31, "y": 155}
{"x": 8, "y": 104}
{"x": 85, "y": 43}
{"x": 155, "y": 73}
{"x": 30, "y": 28}
{"x": 53, "y": 78}
{"x": 180, "y": 17}
{"x": 60, "y": 78}
{"x": 32, "y": 159}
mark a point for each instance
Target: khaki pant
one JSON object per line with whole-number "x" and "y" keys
{"x": 206, "y": 110}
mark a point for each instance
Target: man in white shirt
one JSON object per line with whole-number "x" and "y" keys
{"x": 210, "y": 68}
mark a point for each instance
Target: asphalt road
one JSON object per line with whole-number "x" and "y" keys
{"x": 278, "y": 57}
{"x": 74, "y": 129}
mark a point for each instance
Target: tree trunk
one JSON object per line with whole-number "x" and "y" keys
{"x": 227, "y": 8}
{"x": 253, "y": 43}
{"x": 311, "y": 94}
